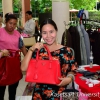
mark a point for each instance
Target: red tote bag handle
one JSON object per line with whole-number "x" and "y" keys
{"x": 50, "y": 57}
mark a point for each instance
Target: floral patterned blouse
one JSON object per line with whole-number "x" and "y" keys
{"x": 67, "y": 63}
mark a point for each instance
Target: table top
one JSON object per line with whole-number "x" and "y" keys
{"x": 29, "y": 41}
{"x": 93, "y": 91}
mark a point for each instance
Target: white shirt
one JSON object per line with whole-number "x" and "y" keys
{"x": 29, "y": 27}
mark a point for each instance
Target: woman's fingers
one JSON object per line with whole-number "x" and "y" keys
{"x": 64, "y": 81}
{"x": 5, "y": 52}
{"x": 60, "y": 82}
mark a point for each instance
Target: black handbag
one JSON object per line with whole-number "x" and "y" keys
{"x": 70, "y": 94}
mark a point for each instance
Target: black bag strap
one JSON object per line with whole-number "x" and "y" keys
{"x": 73, "y": 85}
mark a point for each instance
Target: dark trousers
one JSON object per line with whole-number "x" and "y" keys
{"x": 11, "y": 90}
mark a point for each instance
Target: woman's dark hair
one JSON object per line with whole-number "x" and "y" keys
{"x": 9, "y": 16}
{"x": 48, "y": 21}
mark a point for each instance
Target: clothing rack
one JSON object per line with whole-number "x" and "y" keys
{"x": 83, "y": 20}
{"x": 92, "y": 23}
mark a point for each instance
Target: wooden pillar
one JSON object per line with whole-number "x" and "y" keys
{"x": 25, "y": 7}
{"x": 7, "y": 6}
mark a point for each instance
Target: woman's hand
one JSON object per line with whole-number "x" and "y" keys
{"x": 28, "y": 56}
{"x": 5, "y": 52}
{"x": 64, "y": 81}
{"x": 38, "y": 46}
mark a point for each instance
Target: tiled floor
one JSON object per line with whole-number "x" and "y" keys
{"x": 20, "y": 89}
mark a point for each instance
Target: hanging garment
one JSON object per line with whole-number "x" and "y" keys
{"x": 82, "y": 47}
{"x": 66, "y": 39}
{"x": 71, "y": 39}
{"x": 75, "y": 40}
{"x": 85, "y": 15}
{"x": 87, "y": 42}
{"x": 95, "y": 44}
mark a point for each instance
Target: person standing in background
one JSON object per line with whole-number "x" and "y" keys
{"x": 1, "y": 23}
{"x": 29, "y": 27}
{"x": 10, "y": 39}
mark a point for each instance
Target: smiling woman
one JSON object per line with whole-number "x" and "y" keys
{"x": 64, "y": 55}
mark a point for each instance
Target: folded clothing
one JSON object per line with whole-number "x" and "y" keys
{"x": 86, "y": 73}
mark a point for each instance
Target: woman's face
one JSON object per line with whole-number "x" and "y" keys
{"x": 49, "y": 34}
{"x": 11, "y": 25}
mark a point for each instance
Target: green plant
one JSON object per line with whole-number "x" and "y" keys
{"x": 94, "y": 15}
{"x": 41, "y": 6}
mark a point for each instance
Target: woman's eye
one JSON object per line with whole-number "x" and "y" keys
{"x": 51, "y": 31}
{"x": 43, "y": 32}
{"x": 48, "y": 32}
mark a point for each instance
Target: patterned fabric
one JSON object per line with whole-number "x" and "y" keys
{"x": 67, "y": 62}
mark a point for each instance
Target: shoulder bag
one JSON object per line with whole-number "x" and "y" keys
{"x": 70, "y": 94}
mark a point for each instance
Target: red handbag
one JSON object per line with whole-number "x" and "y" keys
{"x": 43, "y": 71}
{"x": 10, "y": 71}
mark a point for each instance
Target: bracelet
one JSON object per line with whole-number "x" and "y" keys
{"x": 31, "y": 49}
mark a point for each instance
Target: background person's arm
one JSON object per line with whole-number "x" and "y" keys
{"x": 24, "y": 50}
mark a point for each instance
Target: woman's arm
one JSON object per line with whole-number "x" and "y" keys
{"x": 70, "y": 72}
{"x": 24, "y": 50}
{"x": 28, "y": 56}
{"x": 22, "y": 46}
{"x": 66, "y": 80}
{"x": 25, "y": 61}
